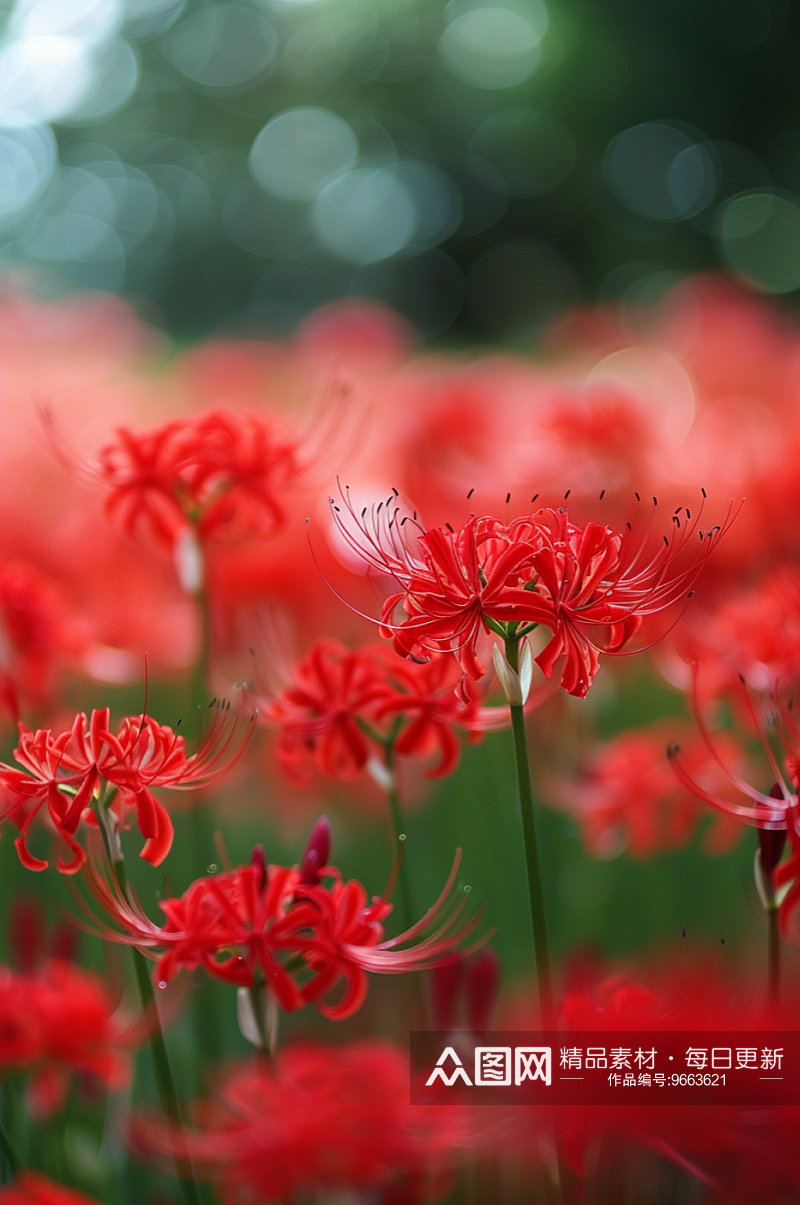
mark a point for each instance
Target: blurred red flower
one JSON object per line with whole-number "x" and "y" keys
{"x": 626, "y": 797}
{"x": 218, "y": 473}
{"x": 29, "y": 1188}
{"x": 57, "y": 1020}
{"x": 345, "y": 708}
{"x": 323, "y": 1120}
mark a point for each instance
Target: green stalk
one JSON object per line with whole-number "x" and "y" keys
{"x": 167, "y": 1088}
{"x": 205, "y": 1014}
{"x": 541, "y": 945}
{"x": 399, "y": 831}
{"x": 9, "y": 1150}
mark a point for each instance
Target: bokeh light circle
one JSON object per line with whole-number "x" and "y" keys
{"x": 365, "y": 215}
{"x": 87, "y": 21}
{"x": 660, "y": 171}
{"x": 115, "y": 74}
{"x": 27, "y": 161}
{"x": 222, "y": 46}
{"x": 42, "y": 78}
{"x": 438, "y": 201}
{"x": 759, "y": 236}
{"x": 300, "y": 150}
{"x": 494, "y": 47}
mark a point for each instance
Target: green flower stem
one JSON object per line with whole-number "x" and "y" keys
{"x": 205, "y": 1013}
{"x": 774, "y": 957}
{"x": 566, "y": 1189}
{"x": 258, "y": 1002}
{"x": 9, "y": 1150}
{"x": 399, "y": 832}
{"x": 541, "y": 945}
{"x": 167, "y": 1088}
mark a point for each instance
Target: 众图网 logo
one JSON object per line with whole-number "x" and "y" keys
{"x": 751, "y": 1067}
{"x": 494, "y": 1065}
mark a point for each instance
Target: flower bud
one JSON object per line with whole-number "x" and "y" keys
{"x": 483, "y": 978}
{"x": 516, "y": 686}
{"x": 188, "y": 557}
{"x": 445, "y": 985}
{"x": 259, "y": 863}
{"x": 245, "y": 1015}
{"x": 316, "y": 853}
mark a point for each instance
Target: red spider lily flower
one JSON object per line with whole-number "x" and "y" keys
{"x": 776, "y": 812}
{"x": 591, "y": 586}
{"x": 752, "y": 632}
{"x": 423, "y": 697}
{"x": 218, "y": 473}
{"x": 36, "y": 637}
{"x": 318, "y": 714}
{"x": 55, "y": 1018}
{"x": 68, "y": 771}
{"x": 58, "y": 1020}
{"x": 29, "y": 1188}
{"x": 344, "y": 708}
{"x": 626, "y": 797}
{"x": 715, "y": 1147}
{"x": 270, "y": 925}
{"x": 321, "y": 1121}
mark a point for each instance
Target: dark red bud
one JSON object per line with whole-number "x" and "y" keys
{"x": 64, "y": 941}
{"x": 445, "y": 985}
{"x": 483, "y": 979}
{"x": 772, "y": 842}
{"x": 260, "y": 866}
{"x": 26, "y": 932}
{"x": 316, "y": 853}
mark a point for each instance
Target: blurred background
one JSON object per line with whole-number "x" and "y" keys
{"x": 478, "y": 165}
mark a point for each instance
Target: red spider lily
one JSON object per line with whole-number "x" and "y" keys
{"x": 36, "y": 636}
{"x": 29, "y": 1188}
{"x": 752, "y": 632}
{"x": 219, "y": 473}
{"x": 590, "y": 586}
{"x": 271, "y": 925}
{"x": 774, "y": 812}
{"x": 69, "y": 771}
{"x": 56, "y": 1020}
{"x": 625, "y": 796}
{"x": 345, "y": 707}
{"x": 318, "y": 715}
{"x": 321, "y": 1121}
{"x": 719, "y": 1148}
